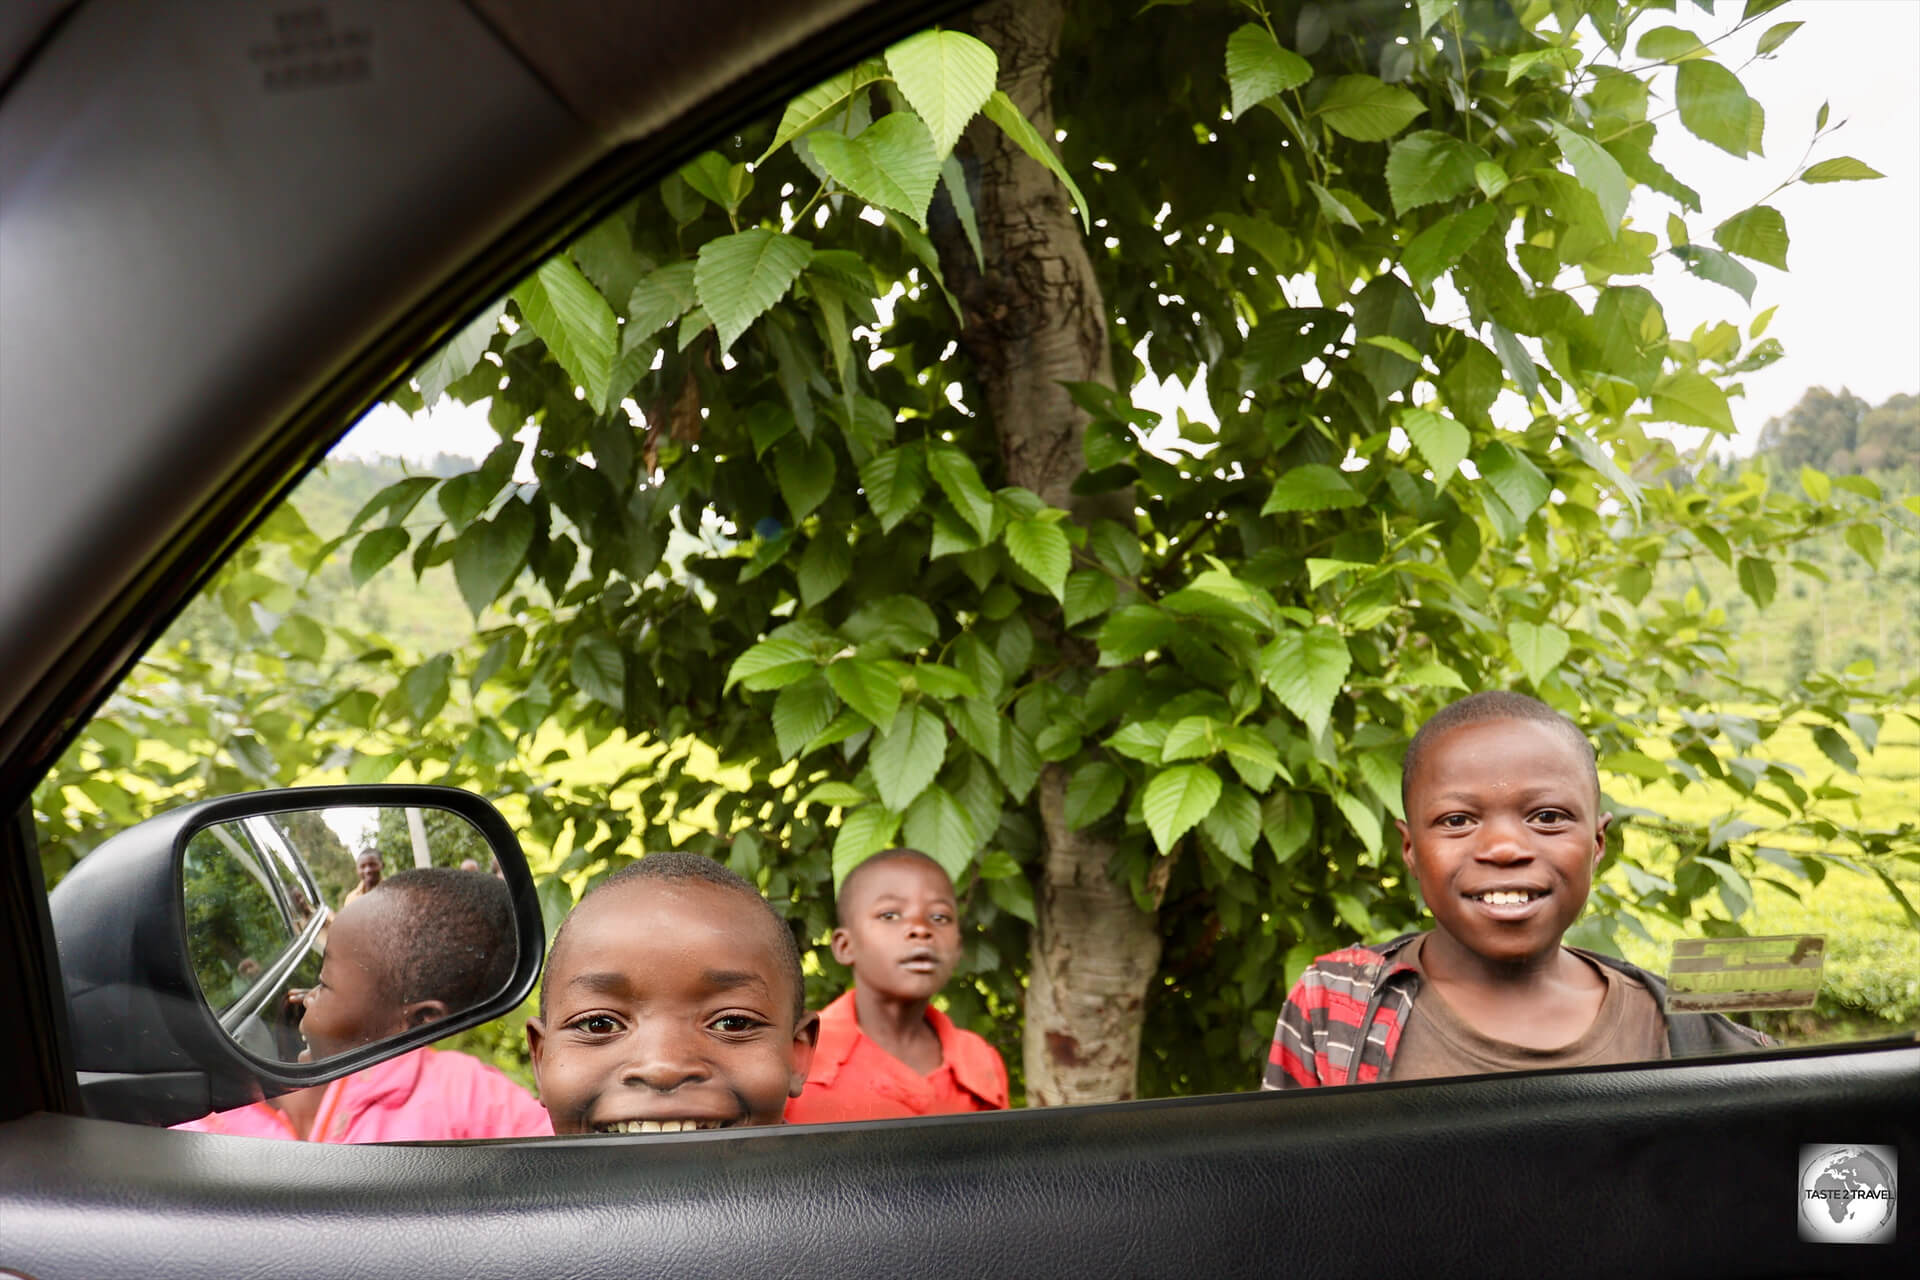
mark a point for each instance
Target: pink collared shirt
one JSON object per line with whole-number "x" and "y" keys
{"x": 855, "y": 1079}
{"x": 425, "y": 1095}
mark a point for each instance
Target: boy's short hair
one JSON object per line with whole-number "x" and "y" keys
{"x": 1478, "y": 708}
{"x": 454, "y": 936}
{"x": 899, "y": 854}
{"x": 676, "y": 867}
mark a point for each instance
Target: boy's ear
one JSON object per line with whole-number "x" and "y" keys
{"x": 806, "y": 1036}
{"x": 841, "y": 945}
{"x": 421, "y": 1012}
{"x": 1406, "y": 844}
{"x": 536, "y": 1041}
{"x": 1600, "y": 840}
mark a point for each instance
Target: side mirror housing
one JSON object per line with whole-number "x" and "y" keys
{"x": 184, "y": 942}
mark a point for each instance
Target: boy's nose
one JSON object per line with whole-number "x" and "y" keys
{"x": 663, "y": 1061}
{"x": 1503, "y": 842}
{"x": 917, "y": 927}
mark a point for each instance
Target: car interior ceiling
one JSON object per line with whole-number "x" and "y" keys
{"x": 135, "y": 477}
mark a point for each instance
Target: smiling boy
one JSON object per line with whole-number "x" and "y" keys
{"x": 673, "y": 1000}
{"x": 1503, "y": 833}
{"x": 885, "y": 1051}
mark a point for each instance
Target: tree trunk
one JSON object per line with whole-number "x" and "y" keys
{"x": 1034, "y": 318}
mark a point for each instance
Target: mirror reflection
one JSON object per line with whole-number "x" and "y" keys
{"x": 318, "y": 931}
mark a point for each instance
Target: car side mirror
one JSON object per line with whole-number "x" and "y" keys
{"x": 192, "y": 945}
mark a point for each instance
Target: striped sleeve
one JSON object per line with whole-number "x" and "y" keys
{"x": 1321, "y": 1023}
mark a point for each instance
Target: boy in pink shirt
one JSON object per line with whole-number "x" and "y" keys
{"x": 399, "y": 957}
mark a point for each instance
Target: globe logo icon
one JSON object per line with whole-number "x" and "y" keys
{"x": 1847, "y": 1194}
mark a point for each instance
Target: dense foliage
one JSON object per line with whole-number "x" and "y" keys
{"x": 752, "y": 515}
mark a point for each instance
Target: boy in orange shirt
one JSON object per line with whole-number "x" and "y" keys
{"x": 884, "y": 1051}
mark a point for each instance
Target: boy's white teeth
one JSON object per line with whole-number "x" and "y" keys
{"x": 1506, "y": 897}
{"x": 657, "y": 1126}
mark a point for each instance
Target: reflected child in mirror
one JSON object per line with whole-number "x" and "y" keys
{"x": 885, "y": 1051}
{"x": 417, "y": 947}
{"x": 1503, "y": 832}
{"x": 673, "y": 1000}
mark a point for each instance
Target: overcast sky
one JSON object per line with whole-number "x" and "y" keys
{"x": 1849, "y": 308}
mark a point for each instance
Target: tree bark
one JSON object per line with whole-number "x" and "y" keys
{"x": 1034, "y": 318}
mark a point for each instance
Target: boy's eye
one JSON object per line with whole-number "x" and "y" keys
{"x": 736, "y": 1023}
{"x": 1454, "y": 821}
{"x": 1552, "y": 816}
{"x": 596, "y": 1024}
{"x": 889, "y": 915}
{"x": 941, "y": 917}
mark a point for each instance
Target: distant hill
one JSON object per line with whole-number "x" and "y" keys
{"x": 1841, "y": 434}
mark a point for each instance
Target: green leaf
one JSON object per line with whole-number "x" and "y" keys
{"x": 1366, "y": 110}
{"x": 1432, "y": 675}
{"x": 800, "y": 712}
{"x": 1520, "y": 486}
{"x": 1692, "y": 400}
{"x": 1835, "y": 748}
{"x": 1041, "y": 548}
{"x": 1868, "y": 541}
{"x": 1285, "y": 340}
{"x": 1312, "y": 486}
{"x": 1756, "y": 579}
{"x": 1092, "y": 792}
{"x": 947, "y": 77}
{"x": 1089, "y": 594}
{"x": 1287, "y": 823}
{"x": 1759, "y": 233}
{"x": 824, "y": 567}
{"x": 1490, "y": 178}
{"x": 1440, "y": 440}
{"x": 1595, "y": 455}
{"x": 738, "y": 277}
{"x": 1597, "y": 171}
{"x": 1428, "y": 167}
{"x": 1429, "y": 12}
{"x": 489, "y": 554}
{"x": 868, "y": 688}
{"x": 891, "y": 164}
{"x": 374, "y": 550}
{"x": 658, "y": 299}
{"x": 895, "y": 481}
{"x": 825, "y": 103}
{"x": 1720, "y": 268}
{"x": 457, "y": 356}
{"x": 1258, "y": 68}
{"x": 954, "y": 178}
{"x": 1775, "y": 36}
{"x": 1343, "y": 206}
{"x": 838, "y": 795}
{"x": 1816, "y": 483}
{"x": 1001, "y": 110}
{"x": 1320, "y": 571}
{"x": 301, "y": 637}
{"x": 1177, "y": 799}
{"x": 805, "y": 474}
{"x": 1435, "y": 250}
{"x": 1670, "y": 44}
{"x": 1714, "y": 106}
{"x": 567, "y": 313}
{"x": 1362, "y": 817}
{"x": 1518, "y": 363}
{"x": 1841, "y": 169}
{"x": 599, "y": 669}
{"x": 1233, "y": 825}
{"x": 1306, "y": 670}
{"x": 906, "y": 759}
{"x": 957, "y": 477}
{"x": 940, "y": 826}
{"x": 1538, "y": 649}
{"x": 895, "y": 624}
{"x": 1134, "y": 631}
{"x": 863, "y": 832}
{"x": 774, "y": 663}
